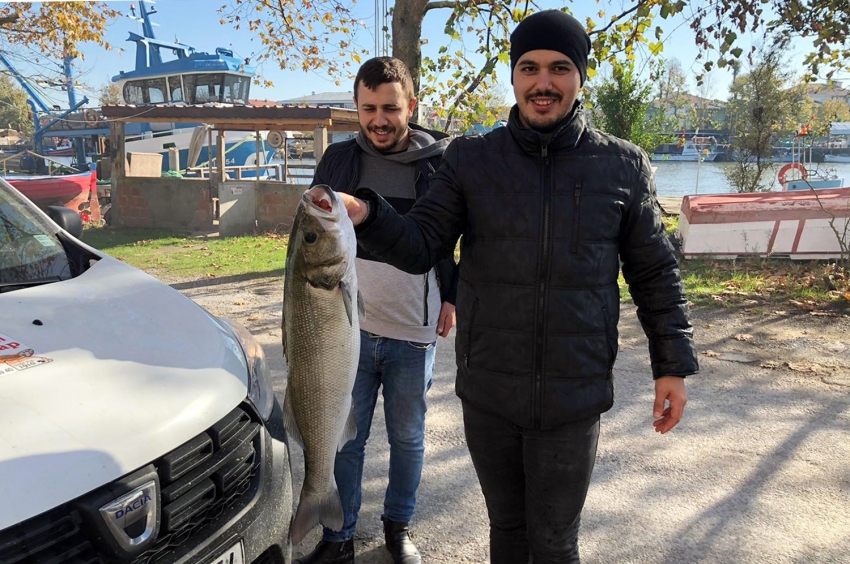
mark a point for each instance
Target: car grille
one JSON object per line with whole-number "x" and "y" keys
{"x": 210, "y": 476}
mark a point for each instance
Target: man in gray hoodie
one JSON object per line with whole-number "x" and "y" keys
{"x": 404, "y": 312}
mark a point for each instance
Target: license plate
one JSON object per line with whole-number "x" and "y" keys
{"x": 233, "y": 555}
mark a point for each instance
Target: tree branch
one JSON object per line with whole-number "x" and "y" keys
{"x": 617, "y": 18}
{"x": 9, "y": 19}
{"x": 482, "y": 74}
{"x": 449, "y": 4}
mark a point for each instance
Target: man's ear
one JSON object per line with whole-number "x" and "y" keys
{"x": 411, "y": 106}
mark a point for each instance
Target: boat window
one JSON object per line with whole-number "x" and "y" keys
{"x": 175, "y": 86}
{"x": 133, "y": 93}
{"x": 236, "y": 88}
{"x": 150, "y": 91}
{"x": 29, "y": 248}
{"x": 208, "y": 88}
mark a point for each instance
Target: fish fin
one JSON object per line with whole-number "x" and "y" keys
{"x": 313, "y": 509}
{"x": 347, "y": 299}
{"x": 361, "y": 308}
{"x": 289, "y": 421}
{"x": 349, "y": 431}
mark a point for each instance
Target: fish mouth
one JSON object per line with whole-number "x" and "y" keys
{"x": 321, "y": 202}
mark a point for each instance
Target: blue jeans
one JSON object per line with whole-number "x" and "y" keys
{"x": 405, "y": 370}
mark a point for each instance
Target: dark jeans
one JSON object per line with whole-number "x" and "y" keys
{"x": 534, "y": 483}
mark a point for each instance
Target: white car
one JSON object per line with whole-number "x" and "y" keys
{"x": 134, "y": 425}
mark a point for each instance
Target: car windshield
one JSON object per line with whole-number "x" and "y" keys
{"x": 30, "y": 252}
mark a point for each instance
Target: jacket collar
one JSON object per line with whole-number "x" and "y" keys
{"x": 566, "y": 135}
{"x": 432, "y": 132}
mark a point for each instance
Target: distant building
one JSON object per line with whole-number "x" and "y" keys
{"x": 329, "y": 99}
{"x": 262, "y": 103}
{"x": 693, "y": 112}
{"x": 821, "y": 93}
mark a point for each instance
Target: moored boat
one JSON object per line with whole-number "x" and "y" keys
{"x": 797, "y": 225}
{"x": 56, "y": 189}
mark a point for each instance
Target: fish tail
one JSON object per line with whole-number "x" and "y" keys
{"x": 322, "y": 508}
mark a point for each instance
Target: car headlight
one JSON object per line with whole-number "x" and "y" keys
{"x": 260, "y": 392}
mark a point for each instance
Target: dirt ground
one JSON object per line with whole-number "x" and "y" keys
{"x": 757, "y": 472}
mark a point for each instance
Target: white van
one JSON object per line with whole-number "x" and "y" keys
{"x": 134, "y": 425}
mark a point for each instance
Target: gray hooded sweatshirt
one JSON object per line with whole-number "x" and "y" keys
{"x": 396, "y": 302}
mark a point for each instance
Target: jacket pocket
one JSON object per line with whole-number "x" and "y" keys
{"x": 576, "y": 217}
{"x": 469, "y": 333}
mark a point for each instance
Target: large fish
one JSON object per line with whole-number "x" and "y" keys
{"x": 321, "y": 342}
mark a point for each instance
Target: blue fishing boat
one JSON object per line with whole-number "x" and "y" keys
{"x": 190, "y": 78}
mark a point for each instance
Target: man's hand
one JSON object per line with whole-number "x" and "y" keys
{"x": 356, "y": 208}
{"x": 669, "y": 391}
{"x": 446, "y": 320}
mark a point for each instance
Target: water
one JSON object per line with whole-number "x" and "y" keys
{"x": 680, "y": 178}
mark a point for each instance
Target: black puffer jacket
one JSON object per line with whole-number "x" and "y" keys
{"x": 340, "y": 169}
{"x": 545, "y": 221}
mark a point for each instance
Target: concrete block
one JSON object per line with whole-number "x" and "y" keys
{"x": 147, "y": 165}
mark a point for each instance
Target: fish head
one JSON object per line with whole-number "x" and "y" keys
{"x": 324, "y": 237}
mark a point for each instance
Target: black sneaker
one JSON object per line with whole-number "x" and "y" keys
{"x": 330, "y": 553}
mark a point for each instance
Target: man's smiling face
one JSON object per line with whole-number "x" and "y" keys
{"x": 546, "y": 86}
{"x": 384, "y": 114}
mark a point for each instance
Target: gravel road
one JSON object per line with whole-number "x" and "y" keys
{"x": 757, "y": 472}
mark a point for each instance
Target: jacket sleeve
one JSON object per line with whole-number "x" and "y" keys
{"x": 655, "y": 283}
{"x": 428, "y": 233}
{"x": 448, "y": 274}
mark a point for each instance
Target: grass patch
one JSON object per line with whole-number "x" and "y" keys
{"x": 158, "y": 251}
{"x": 777, "y": 284}
{"x": 774, "y": 283}
{"x": 671, "y": 223}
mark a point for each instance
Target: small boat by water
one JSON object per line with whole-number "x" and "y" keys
{"x": 836, "y": 158}
{"x": 797, "y": 225}
{"x": 61, "y": 190}
{"x": 807, "y": 219}
{"x": 698, "y": 149}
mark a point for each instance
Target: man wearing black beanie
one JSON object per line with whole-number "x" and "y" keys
{"x": 549, "y": 208}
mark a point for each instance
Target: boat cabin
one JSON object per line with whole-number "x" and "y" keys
{"x": 190, "y": 88}
{"x": 191, "y": 77}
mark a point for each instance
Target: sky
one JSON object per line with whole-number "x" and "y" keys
{"x": 197, "y": 23}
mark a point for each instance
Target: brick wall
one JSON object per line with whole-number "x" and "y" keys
{"x": 171, "y": 203}
{"x": 276, "y": 205}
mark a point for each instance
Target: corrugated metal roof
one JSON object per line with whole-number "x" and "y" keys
{"x": 247, "y": 118}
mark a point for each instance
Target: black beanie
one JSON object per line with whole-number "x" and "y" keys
{"x": 553, "y": 30}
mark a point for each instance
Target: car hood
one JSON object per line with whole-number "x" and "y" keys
{"x": 101, "y": 375}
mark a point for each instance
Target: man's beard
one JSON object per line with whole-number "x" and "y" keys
{"x": 393, "y": 140}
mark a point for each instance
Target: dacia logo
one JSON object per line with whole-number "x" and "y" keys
{"x": 136, "y": 504}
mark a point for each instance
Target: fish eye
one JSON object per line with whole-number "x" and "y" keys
{"x": 310, "y": 237}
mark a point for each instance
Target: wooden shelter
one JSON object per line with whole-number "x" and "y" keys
{"x": 240, "y": 204}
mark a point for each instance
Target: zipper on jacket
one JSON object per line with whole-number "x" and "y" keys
{"x": 576, "y": 216}
{"x": 469, "y": 333}
{"x": 542, "y": 275}
{"x": 425, "y": 324}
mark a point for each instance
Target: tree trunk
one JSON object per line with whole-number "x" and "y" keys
{"x": 407, "y": 31}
